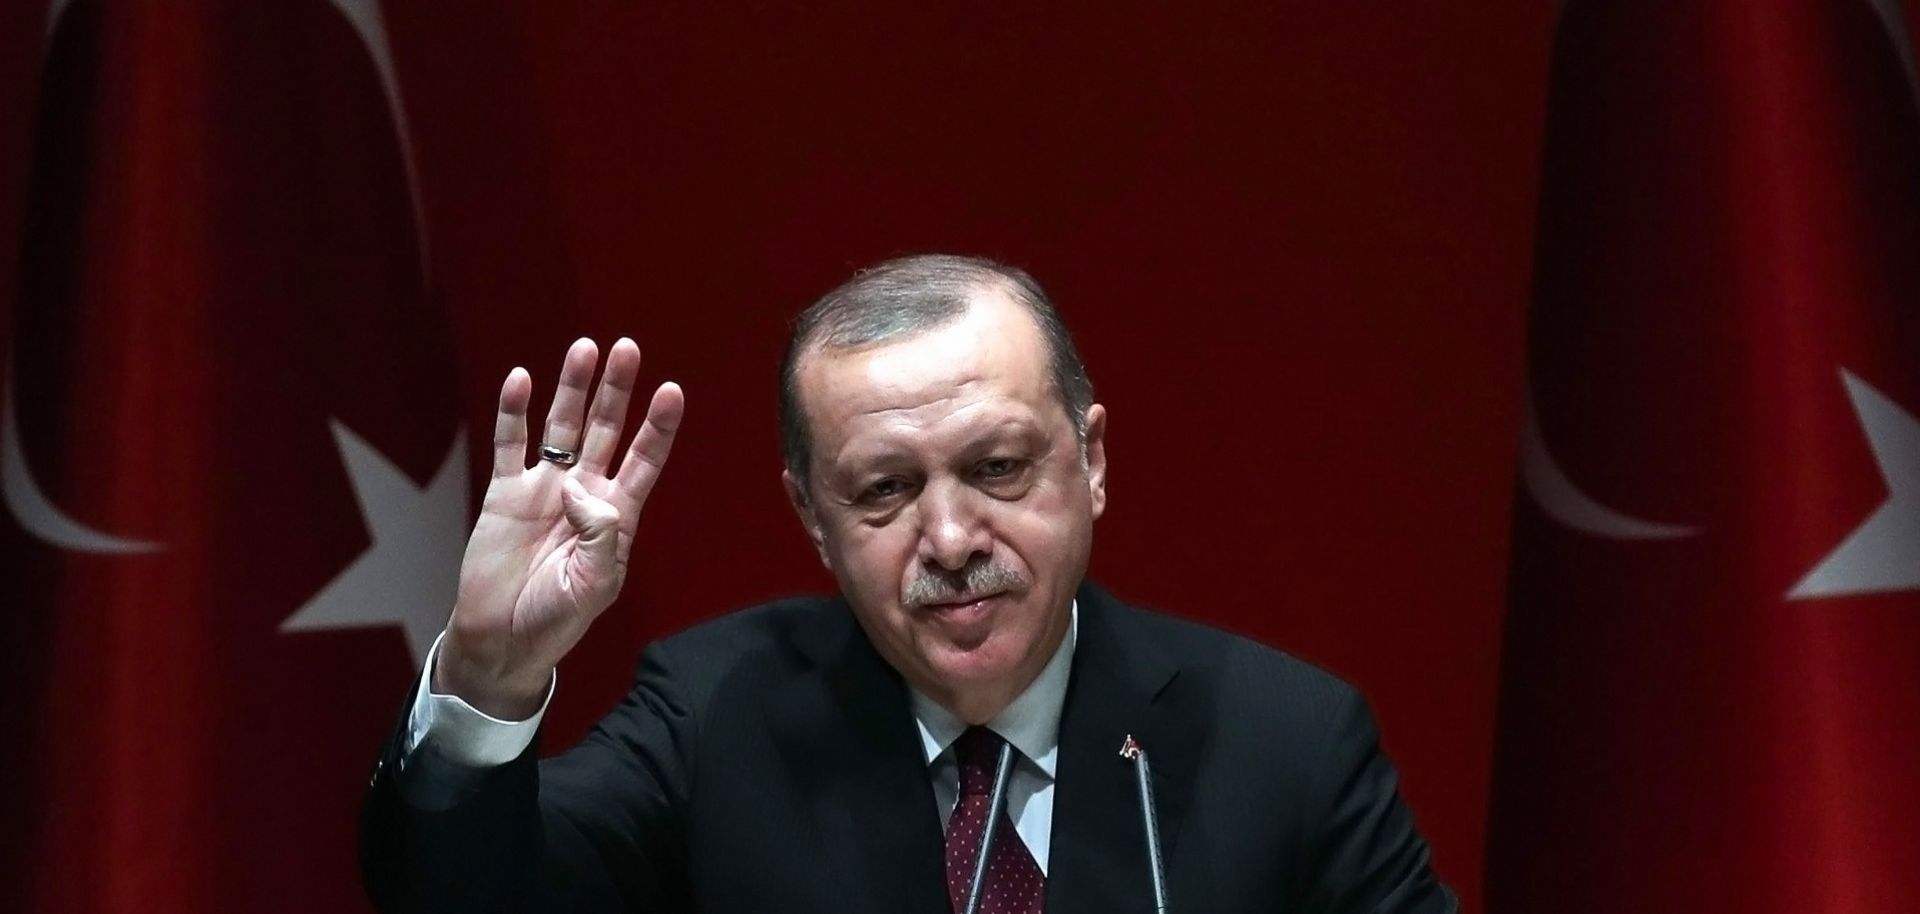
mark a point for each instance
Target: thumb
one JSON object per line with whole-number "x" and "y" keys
{"x": 597, "y": 523}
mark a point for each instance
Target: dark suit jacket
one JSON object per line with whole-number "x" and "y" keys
{"x": 767, "y": 762}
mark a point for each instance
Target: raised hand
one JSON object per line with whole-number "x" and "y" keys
{"x": 549, "y": 552}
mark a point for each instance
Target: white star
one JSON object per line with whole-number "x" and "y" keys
{"x": 409, "y": 574}
{"x": 1884, "y": 552}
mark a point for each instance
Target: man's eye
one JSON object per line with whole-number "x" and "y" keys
{"x": 999, "y": 468}
{"x": 885, "y": 488}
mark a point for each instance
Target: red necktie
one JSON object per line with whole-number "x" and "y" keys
{"x": 1014, "y": 883}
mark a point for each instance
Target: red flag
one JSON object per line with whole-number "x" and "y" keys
{"x": 1711, "y": 689}
{"x": 236, "y": 485}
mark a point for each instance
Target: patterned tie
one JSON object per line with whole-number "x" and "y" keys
{"x": 1014, "y": 882}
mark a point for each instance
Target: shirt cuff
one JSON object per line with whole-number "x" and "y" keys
{"x": 461, "y": 733}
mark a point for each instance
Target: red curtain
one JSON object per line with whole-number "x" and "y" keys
{"x": 233, "y": 419}
{"x": 1710, "y": 697}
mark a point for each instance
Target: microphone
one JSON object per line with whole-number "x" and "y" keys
{"x": 996, "y": 801}
{"x": 1149, "y": 820}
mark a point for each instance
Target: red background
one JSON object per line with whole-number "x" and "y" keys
{"x": 1293, "y": 240}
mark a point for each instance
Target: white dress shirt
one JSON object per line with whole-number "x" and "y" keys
{"x": 467, "y": 736}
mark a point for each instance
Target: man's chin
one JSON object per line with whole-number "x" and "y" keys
{"x": 970, "y": 668}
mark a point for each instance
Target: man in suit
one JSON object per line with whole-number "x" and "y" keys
{"x": 946, "y": 459}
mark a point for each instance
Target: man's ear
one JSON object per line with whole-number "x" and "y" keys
{"x": 1097, "y": 457}
{"x": 803, "y": 507}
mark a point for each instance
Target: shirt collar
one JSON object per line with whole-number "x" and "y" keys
{"x": 1031, "y": 722}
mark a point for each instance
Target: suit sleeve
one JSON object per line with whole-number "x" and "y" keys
{"x": 599, "y": 828}
{"x": 1364, "y": 855}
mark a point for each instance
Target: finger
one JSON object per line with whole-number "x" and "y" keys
{"x": 570, "y": 396}
{"x": 595, "y": 564}
{"x": 510, "y": 424}
{"x": 609, "y": 411}
{"x": 647, "y": 456}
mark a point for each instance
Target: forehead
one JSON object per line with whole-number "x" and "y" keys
{"x": 985, "y": 366}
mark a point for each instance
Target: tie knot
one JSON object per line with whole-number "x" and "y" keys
{"x": 977, "y": 751}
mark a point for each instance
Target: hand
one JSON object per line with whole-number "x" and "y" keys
{"x": 549, "y": 552}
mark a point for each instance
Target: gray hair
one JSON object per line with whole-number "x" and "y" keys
{"x": 908, "y": 296}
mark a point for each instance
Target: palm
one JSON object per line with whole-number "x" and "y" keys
{"x": 521, "y": 548}
{"x": 549, "y": 551}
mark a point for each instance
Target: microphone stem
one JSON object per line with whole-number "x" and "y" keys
{"x": 1150, "y": 822}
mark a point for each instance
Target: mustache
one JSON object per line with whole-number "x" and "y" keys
{"x": 969, "y": 583}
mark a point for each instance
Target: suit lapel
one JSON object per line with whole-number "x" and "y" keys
{"x": 1120, "y": 686}
{"x": 849, "y": 739}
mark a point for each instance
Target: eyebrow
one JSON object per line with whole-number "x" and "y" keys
{"x": 1015, "y": 429}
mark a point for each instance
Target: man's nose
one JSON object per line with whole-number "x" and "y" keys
{"x": 952, "y": 528}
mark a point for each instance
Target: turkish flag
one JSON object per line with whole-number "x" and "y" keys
{"x": 236, "y": 477}
{"x": 1710, "y": 698}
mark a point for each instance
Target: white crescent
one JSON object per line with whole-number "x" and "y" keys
{"x": 1563, "y": 501}
{"x": 367, "y": 22}
{"x": 35, "y": 512}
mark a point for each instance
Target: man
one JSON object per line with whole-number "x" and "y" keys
{"x": 947, "y": 460}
